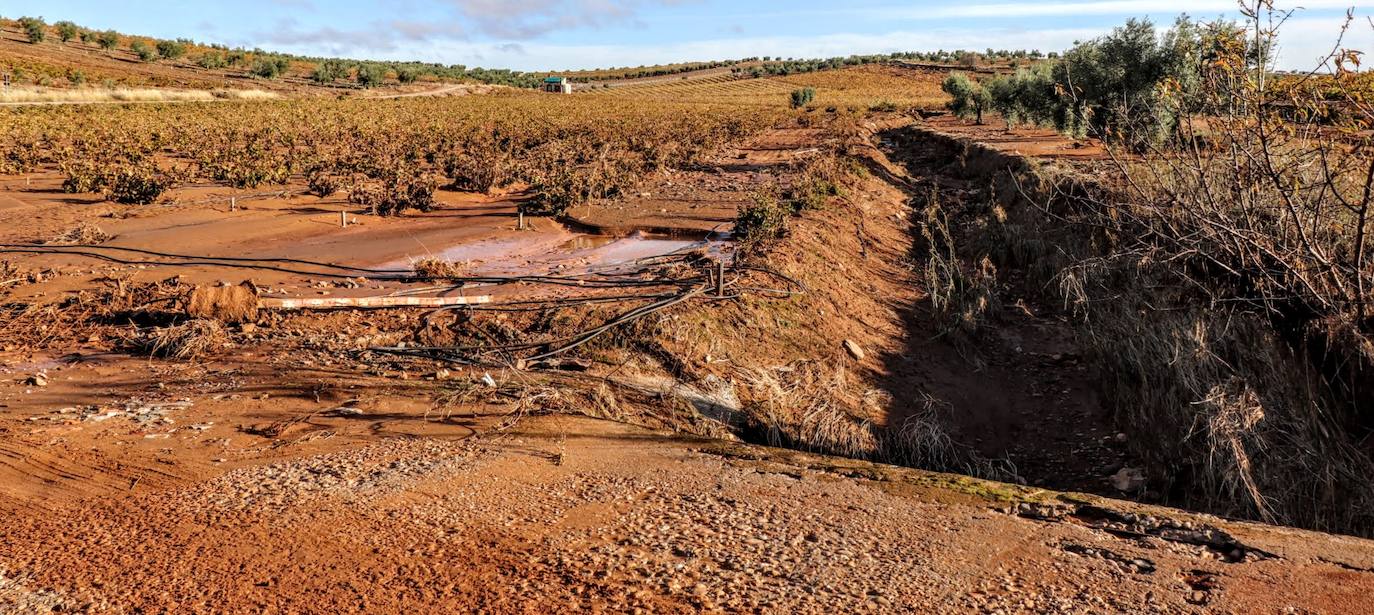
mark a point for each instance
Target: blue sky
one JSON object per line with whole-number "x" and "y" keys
{"x": 570, "y": 34}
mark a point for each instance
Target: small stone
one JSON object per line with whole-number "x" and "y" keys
{"x": 37, "y": 380}
{"x": 854, "y": 350}
{"x": 248, "y": 328}
{"x": 1128, "y": 479}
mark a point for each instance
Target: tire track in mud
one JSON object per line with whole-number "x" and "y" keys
{"x": 38, "y": 479}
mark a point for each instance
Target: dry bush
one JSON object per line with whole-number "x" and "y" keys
{"x": 138, "y": 184}
{"x": 439, "y": 269}
{"x": 192, "y": 339}
{"x": 811, "y": 407}
{"x": 1221, "y": 284}
{"x": 82, "y": 234}
{"x": 83, "y": 176}
{"x": 479, "y": 167}
{"x": 961, "y": 295}
{"x": 392, "y": 191}
{"x": 230, "y": 304}
{"x": 1227, "y": 414}
{"x": 322, "y": 180}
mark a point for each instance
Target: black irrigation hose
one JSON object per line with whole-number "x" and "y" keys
{"x": 456, "y": 354}
{"x": 598, "y": 281}
{"x": 123, "y": 261}
{"x": 625, "y": 318}
{"x": 231, "y": 259}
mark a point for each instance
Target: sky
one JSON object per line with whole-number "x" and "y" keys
{"x": 550, "y": 35}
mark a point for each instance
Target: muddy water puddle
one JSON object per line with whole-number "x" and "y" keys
{"x": 566, "y": 253}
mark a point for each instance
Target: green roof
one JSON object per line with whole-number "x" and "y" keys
{"x": 554, "y": 79}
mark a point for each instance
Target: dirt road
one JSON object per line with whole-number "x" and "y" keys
{"x": 574, "y": 515}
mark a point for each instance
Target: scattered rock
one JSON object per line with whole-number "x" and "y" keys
{"x": 1128, "y": 479}
{"x": 854, "y": 350}
{"x": 37, "y": 380}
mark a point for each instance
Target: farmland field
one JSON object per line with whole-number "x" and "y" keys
{"x": 939, "y": 331}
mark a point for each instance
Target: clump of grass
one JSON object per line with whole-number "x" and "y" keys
{"x": 763, "y": 220}
{"x": 189, "y": 340}
{"x": 961, "y": 295}
{"x": 814, "y": 408}
{"x": 439, "y": 269}
{"x": 83, "y": 234}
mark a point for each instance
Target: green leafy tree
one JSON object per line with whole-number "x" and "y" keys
{"x": 67, "y": 31}
{"x": 328, "y": 71}
{"x": 1027, "y": 96}
{"x": 171, "y": 50}
{"x": 107, "y": 40}
{"x": 968, "y": 99}
{"x": 371, "y": 75}
{"x": 143, "y": 51}
{"x": 407, "y": 74}
{"x": 269, "y": 67}
{"x": 35, "y": 28}
{"x": 803, "y": 97}
{"x": 211, "y": 60}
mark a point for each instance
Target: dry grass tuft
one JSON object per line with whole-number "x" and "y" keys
{"x": 83, "y": 234}
{"x": 812, "y": 407}
{"x": 230, "y": 304}
{"x": 439, "y": 269}
{"x": 961, "y": 295}
{"x": 190, "y": 340}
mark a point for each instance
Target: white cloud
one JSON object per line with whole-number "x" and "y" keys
{"x": 537, "y": 56}
{"x": 1111, "y": 7}
{"x": 1304, "y": 39}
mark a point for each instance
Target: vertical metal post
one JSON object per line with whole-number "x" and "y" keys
{"x": 343, "y": 219}
{"x": 520, "y": 223}
{"x": 720, "y": 279}
{"x": 233, "y": 203}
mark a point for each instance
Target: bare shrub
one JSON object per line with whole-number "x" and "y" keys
{"x": 236, "y": 303}
{"x": 138, "y": 184}
{"x": 190, "y": 340}
{"x": 762, "y": 220}
{"x": 812, "y": 407}
{"x": 960, "y": 295}
{"x": 1221, "y": 281}
{"x": 82, "y": 234}
{"x": 438, "y": 269}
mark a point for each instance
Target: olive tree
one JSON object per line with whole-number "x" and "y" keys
{"x": 969, "y": 99}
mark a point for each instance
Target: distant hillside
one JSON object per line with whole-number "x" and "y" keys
{"x": 63, "y": 54}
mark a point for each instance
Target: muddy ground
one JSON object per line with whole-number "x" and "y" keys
{"x": 288, "y": 470}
